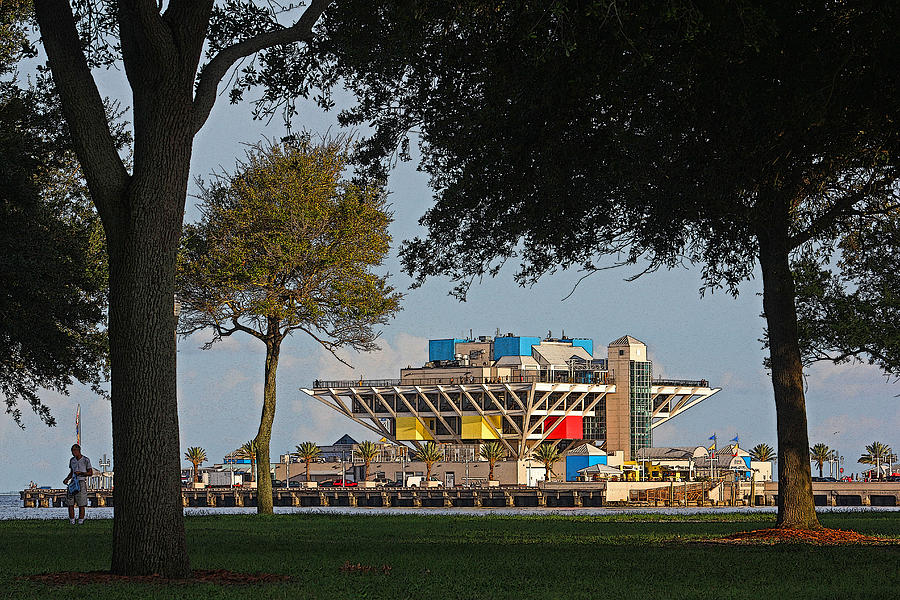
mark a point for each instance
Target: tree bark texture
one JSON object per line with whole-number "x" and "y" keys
{"x": 796, "y": 508}
{"x": 148, "y": 527}
{"x": 264, "y": 435}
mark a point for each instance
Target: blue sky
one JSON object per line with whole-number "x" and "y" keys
{"x": 714, "y": 337}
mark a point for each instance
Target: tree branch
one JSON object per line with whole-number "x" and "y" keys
{"x": 836, "y": 210}
{"x": 325, "y": 344}
{"x": 147, "y": 46}
{"x": 215, "y": 70}
{"x": 83, "y": 108}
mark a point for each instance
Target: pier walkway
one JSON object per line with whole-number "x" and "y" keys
{"x": 551, "y": 495}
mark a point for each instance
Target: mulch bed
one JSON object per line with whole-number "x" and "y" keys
{"x": 219, "y": 577}
{"x": 818, "y": 537}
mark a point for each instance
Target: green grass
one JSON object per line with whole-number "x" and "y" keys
{"x": 620, "y": 556}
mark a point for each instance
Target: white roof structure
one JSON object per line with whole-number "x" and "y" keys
{"x": 600, "y": 470}
{"x": 558, "y": 355}
{"x": 678, "y": 453}
{"x": 586, "y": 450}
{"x": 523, "y": 362}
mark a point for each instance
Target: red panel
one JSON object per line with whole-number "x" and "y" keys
{"x": 571, "y": 428}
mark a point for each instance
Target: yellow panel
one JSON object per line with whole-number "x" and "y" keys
{"x": 410, "y": 429}
{"x": 475, "y": 427}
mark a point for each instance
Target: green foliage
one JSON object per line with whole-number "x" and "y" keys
{"x": 548, "y": 454}
{"x": 14, "y": 42}
{"x": 286, "y": 243}
{"x": 820, "y": 454}
{"x": 877, "y": 453}
{"x": 596, "y": 117}
{"x": 429, "y": 453}
{"x": 762, "y": 453}
{"x": 52, "y": 263}
{"x": 851, "y": 312}
{"x": 492, "y": 452}
{"x": 367, "y": 451}
{"x": 196, "y": 456}
{"x": 308, "y": 451}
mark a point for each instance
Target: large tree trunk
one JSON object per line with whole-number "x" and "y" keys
{"x": 795, "y": 499}
{"x": 148, "y": 525}
{"x": 264, "y": 435}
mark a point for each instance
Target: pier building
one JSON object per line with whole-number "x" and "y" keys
{"x": 520, "y": 391}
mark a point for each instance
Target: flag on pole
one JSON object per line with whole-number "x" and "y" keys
{"x": 737, "y": 443}
{"x": 78, "y": 425}
{"x": 712, "y": 448}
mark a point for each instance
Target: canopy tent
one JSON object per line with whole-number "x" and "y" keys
{"x": 600, "y": 470}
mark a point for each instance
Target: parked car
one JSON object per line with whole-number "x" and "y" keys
{"x": 381, "y": 482}
{"x": 294, "y": 484}
{"x": 277, "y": 483}
{"x": 340, "y": 483}
{"x": 892, "y": 478}
{"x": 419, "y": 481}
{"x": 825, "y": 479}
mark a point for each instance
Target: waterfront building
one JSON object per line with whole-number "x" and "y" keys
{"x": 520, "y": 391}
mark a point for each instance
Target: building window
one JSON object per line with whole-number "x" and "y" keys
{"x": 621, "y": 353}
{"x": 641, "y": 376}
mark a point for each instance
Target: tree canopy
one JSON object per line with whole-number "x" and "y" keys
{"x": 286, "y": 244}
{"x": 52, "y": 266}
{"x": 734, "y": 135}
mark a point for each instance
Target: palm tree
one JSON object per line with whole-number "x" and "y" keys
{"x": 820, "y": 454}
{"x": 308, "y": 452}
{"x": 196, "y": 456}
{"x": 877, "y": 454}
{"x": 429, "y": 454}
{"x": 547, "y": 454}
{"x": 762, "y": 453}
{"x": 367, "y": 452}
{"x": 492, "y": 452}
{"x": 248, "y": 450}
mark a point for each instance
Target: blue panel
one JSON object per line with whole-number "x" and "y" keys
{"x": 576, "y": 462}
{"x": 573, "y": 463}
{"x": 441, "y": 349}
{"x": 747, "y": 460}
{"x": 514, "y": 346}
{"x": 584, "y": 343}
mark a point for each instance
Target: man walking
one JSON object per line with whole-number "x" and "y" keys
{"x": 80, "y": 469}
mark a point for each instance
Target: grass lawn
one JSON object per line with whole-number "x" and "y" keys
{"x": 618, "y": 557}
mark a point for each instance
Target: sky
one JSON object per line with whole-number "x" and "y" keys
{"x": 715, "y": 337}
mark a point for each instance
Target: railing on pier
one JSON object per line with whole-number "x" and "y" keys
{"x": 681, "y": 382}
{"x": 420, "y": 381}
{"x": 675, "y": 492}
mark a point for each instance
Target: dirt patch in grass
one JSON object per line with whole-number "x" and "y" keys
{"x": 819, "y": 537}
{"x": 218, "y": 577}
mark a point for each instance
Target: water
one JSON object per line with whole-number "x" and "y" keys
{"x": 11, "y": 508}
